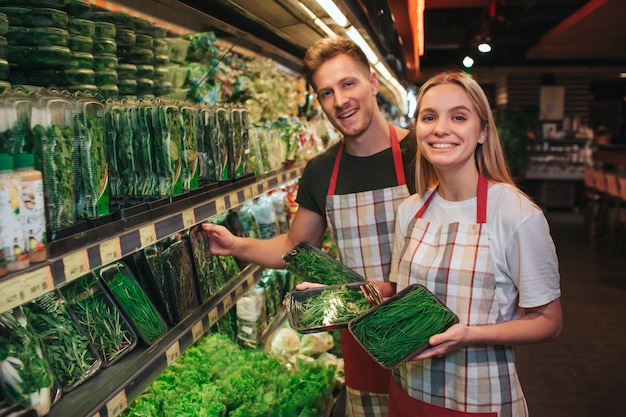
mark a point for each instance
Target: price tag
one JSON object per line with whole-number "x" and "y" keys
{"x": 250, "y": 280}
{"x": 117, "y": 404}
{"x": 147, "y": 236}
{"x": 234, "y": 199}
{"x": 220, "y": 205}
{"x": 239, "y": 292}
{"x": 75, "y": 265}
{"x": 38, "y": 282}
{"x": 248, "y": 193}
{"x": 172, "y": 353}
{"x": 189, "y": 219}
{"x": 110, "y": 251}
{"x": 213, "y": 317}
{"x": 197, "y": 331}
{"x": 228, "y": 303}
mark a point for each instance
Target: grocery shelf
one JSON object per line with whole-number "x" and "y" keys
{"x": 112, "y": 389}
{"x": 77, "y": 254}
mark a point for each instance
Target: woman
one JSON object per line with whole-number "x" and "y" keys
{"x": 483, "y": 248}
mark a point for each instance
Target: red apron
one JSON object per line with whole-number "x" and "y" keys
{"x": 363, "y": 226}
{"x": 454, "y": 261}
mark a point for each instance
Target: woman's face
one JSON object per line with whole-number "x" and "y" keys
{"x": 347, "y": 93}
{"x": 448, "y": 128}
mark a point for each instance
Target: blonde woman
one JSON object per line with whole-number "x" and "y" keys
{"x": 485, "y": 250}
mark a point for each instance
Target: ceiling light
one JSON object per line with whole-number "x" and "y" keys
{"x": 484, "y": 47}
{"x": 468, "y": 61}
{"x": 383, "y": 71}
{"x": 358, "y": 39}
{"x": 328, "y": 31}
{"x": 333, "y": 11}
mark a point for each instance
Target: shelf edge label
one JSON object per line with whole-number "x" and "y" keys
{"x": 116, "y": 405}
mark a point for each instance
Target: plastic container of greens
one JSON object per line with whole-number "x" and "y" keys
{"x": 145, "y": 71}
{"x": 78, "y": 76}
{"x": 36, "y": 16}
{"x": 161, "y": 74}
{"x": 78, "y": 8}
{"x": 140, "y": 55}
{"x": 102, "y": 45}
{"x": 4, "y": 23}
{"x": 126, "y": 71}
{"x": 81, "y": 27}
{"x": 413, "y": 315}
{"x": 125, "y": 38}
{"x": 37, "y": 36}
{"x": 331, "y": 307}
{"x": 36, "y": 56}
{"x": 103, "y": 62}
{"x": 98, "y": 314}
{"x": 104, "y": 30}
{"x": 119, "y": 19}
{"x": 80, "y": 43}
{"x": 72, "y": 356}
{"x": 144, "y": 41}
{"x": 108, "y": 91}
{"x": 4, "y": 50}
{"x": 127, "y": 86}
{"x": 309, "y": 263}
{"x": 81, "y": 60}
{"x": 106, "y": 77}
{"x": 210, "y": 276}
{"x": 125, "y": 289}
{"x": 4, "y": 69}
{"x": 180, "y": 283}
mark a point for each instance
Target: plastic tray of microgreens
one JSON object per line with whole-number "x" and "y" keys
{"x": 179, "y": 277}
{"x": 330, "y": 307}
{"x": 399, "y": 328}
{"x": 100, "y": 317}
{"x": 135, "y": 304}
{"x": 311, "y": 264}
{"x": 72, "y": 356}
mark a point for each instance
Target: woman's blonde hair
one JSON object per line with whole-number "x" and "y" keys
{"x": 490, "y": 159}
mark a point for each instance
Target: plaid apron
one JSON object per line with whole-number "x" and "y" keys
{"x": 363, "y": 226}
{"x": 453, "y": 261}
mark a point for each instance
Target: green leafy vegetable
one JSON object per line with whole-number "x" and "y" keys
{"x": 311, "y": 264}
{"x": 402, "y": 325}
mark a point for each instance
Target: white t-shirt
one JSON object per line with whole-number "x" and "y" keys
{"x": 522, "y": 250}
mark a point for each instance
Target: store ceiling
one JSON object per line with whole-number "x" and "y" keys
{"x": 526, "y": 34}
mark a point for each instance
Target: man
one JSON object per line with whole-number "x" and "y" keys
{"x": 353, "y": 189}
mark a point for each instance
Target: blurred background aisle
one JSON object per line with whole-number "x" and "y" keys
{"x": 582, "y": 373}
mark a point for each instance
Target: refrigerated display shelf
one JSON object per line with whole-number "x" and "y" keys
{"x": 80, "y": 253}
{"x": 111, "y": 390}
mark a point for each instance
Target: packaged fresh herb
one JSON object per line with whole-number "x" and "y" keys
{"x": 166, "y": 122}
{"x": 179, "y": 280}
{"x": 39, "y": 56}
{"x": 143, "y": 140}
{"x": 189, "y": 140}
{"x": 72, "y": 356}
{"x": 134, "y": 302}
{"x": 100, "y": 317}
{"x": 223, "y": 145}
{"x": 93, "y": 189}
{"x": 15, "y": 128}
{"x": 149, "y": 267}
{"x": 53, "y": 136}
{"x": 36, "y": 16}
{"x": 25, "y": 373}
{"x": 82, "y": 27}
{"x": 209, "y": 273}
{"x": 42, "y": 36}
{"x": 399, "y": 328}
{"x": 309, "y": 263}
{"x": 330, "y": 307}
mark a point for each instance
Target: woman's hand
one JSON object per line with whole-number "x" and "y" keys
{"x": 444, "y": 343}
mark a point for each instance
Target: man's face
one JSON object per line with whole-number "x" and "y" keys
{"x": 347, "y": 92}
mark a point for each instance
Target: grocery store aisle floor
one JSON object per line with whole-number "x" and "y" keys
{"x": 583, "y": 372}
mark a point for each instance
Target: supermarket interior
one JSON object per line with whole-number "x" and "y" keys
{"x": 128, "y": 128}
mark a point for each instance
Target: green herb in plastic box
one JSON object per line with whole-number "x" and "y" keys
{"x": 104, "y": 30}
{"x": 104, "y": 62}
{"x": 81, "y": 27}
{"x": 36, "y": 16}
{"x": 37, "y": 36}
{"x": 81, "y": 60}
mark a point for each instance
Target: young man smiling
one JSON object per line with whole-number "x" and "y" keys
{"x": 353, "y": 188}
